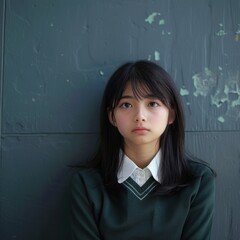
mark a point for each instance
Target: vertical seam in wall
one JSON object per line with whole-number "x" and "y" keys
{"x": 2, "y": 74}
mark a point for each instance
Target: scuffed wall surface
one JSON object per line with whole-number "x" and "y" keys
{"x": 55, "y": 61}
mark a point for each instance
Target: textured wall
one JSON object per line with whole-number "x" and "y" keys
{"x": 55, "y": 59}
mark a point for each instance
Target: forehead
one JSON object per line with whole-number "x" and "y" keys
{"x": 127, "y": 89}
{"x": 139, "y": 90}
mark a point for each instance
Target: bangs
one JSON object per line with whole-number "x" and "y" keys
{"x": 142, "y": 86}
{"x": 145, "y": 78}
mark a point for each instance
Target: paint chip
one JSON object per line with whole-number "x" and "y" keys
{"x": 161, "y": 22}
{"x": 204, "y": 82}
{"x": 156, "y": 56}
{"x": 236, "y": 103}
{"x": 221, "y": 119}
{"x": 184, "y": 92}
{"x": 230, "y": 97}
{"x": 101, "y": 73}
{"x": 150, "y": 19}
{"x": 221, "y": 33}
{"x": 219, "y": 99}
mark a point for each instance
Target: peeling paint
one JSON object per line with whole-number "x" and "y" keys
{"x": 237, "y": 34}
{"x": 233, "y": 88}
{"x": 229, "y": 95}
{"x": 219, "y": 99}
{"x": 164, "y": 33}
{"x": 204, "y": 82}
{"x": 236, "y": 102}
{"x": 150, "y": 19}
{"x": 101, "y": 73}
{"x": 221, "y": 32}
{"x": 221, "y": 119}
{"x": 156, "y": 56}
{"x": 184, "y": 92}
{"x": 161, "y": 22}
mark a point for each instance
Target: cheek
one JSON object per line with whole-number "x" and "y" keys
{"x": 121, "y": 119}
{"x": 121, "y": 124}
{"x": 160, "y": 117}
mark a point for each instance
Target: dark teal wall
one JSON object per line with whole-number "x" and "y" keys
{"x": 55, "y": 59}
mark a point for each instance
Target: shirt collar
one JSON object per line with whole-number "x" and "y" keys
{"x": 128, "y": 167}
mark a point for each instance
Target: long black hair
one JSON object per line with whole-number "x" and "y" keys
{"x": 174, "y": 170}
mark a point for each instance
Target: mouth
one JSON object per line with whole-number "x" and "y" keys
{"x": 140, "y": 130}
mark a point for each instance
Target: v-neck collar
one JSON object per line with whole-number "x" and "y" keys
{"x": 127, "y": 167}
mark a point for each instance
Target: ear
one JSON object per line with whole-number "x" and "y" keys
{"x": 111, "y": 118}
{"x": 171, "y": 116}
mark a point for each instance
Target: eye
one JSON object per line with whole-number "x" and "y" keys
{"x": 125, "y": 105}
{"x": 154, "y": 104}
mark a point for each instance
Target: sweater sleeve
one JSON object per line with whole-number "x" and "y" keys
{"x": 82, "y": 218}
{"x": 199, "y": 221}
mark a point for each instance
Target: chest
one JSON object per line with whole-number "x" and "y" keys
{"x": 126, "y": 216}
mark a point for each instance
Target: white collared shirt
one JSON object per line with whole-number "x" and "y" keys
{"x": 129, "y": 169}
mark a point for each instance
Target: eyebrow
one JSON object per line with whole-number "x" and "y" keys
{"x": 148, "y": 96}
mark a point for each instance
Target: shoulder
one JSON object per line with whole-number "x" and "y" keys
{"x": 201, "y": 169}
{"x": 203, "y": 185}
{"x": 87, "y": 188}
{"x": 204, "y": 180}
{"x": 89, "y": 177}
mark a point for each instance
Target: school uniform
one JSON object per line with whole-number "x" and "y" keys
{"x": 134, "y": 212}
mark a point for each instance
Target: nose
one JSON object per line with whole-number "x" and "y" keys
{"x": 140, "y": 115}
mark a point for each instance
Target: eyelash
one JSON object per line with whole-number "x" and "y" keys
{"x": 155, "y": 103}
{"x": 123, "y": 105}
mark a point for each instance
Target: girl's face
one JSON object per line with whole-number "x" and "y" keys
{"x": 141, "y": 121}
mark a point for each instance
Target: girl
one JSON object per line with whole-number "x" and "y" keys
{"x": 142, "y": 184}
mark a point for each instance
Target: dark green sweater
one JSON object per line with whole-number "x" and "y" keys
{"x": 134, "y": 212}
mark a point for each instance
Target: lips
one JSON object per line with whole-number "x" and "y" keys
{"x": 140, "y": 130}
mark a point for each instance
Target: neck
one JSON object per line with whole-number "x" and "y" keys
{"x": 141, "y": 155}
